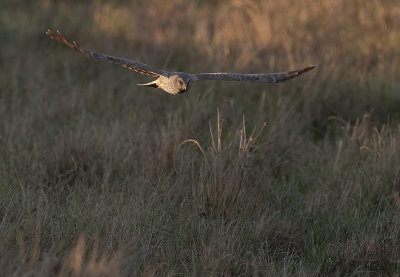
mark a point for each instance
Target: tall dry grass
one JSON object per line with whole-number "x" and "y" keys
{"x": 99, "y": 177}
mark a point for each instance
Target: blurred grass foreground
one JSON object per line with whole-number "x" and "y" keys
{"x": 99, "y": 177}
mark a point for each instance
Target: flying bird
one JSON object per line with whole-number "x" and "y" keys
{"x": 178, "y": 82}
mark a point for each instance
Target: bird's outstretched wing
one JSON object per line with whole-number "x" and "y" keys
{"x": 127, "y": 63}
{"x": 262, "y": 78}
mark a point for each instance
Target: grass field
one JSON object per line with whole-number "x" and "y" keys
{"x": 100, "y": 177}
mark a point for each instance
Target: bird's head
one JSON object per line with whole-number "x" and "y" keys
{"x": 179, "y": 84}
{"x": 182, "y": 81}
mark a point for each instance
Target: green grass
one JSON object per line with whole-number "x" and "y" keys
{"x": 101, "y": 177}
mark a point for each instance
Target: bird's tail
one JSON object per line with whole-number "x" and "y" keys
{"x": 151, "y": 84}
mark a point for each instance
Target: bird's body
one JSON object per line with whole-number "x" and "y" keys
{"x": 179, "y": 82}
{"x": 173, "y": 84}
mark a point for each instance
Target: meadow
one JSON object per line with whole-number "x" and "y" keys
{"x": 100, "y": 177}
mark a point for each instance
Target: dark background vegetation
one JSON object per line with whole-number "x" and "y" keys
{"x": 101, "y": 177}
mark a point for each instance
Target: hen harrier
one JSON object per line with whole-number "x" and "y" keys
{"x": 179, "y": 82}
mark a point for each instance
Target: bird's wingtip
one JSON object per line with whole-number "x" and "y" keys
{"x": 304, "y": 70}
{"x": 308, "y": 68}
{"x": 49, "y": 32}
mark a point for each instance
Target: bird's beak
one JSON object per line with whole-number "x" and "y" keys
{"x": 151, "y": 84}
